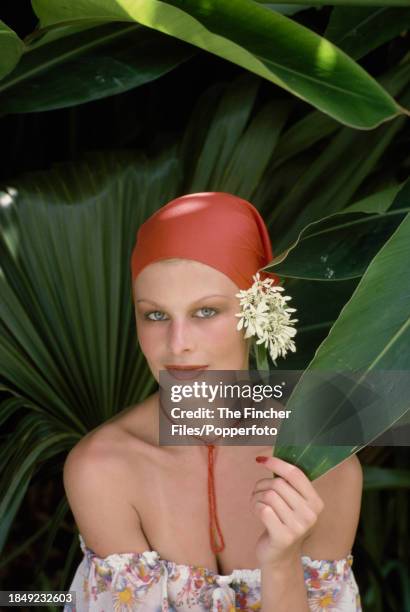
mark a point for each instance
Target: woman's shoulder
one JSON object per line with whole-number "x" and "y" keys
{"x": 109, "y": 453}
{"x": 341, "y": 492}
{"x": 345, "y": 477}
{"x": 100, "y": 479}
{"x": 111, "y": 439}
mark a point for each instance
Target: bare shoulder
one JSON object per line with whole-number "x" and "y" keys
{"x": 100, "y": 481}
{"x": 347, "y": 476}
{"x": 341, "y": 492}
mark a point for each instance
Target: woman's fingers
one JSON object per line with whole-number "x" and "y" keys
{"x": 288, "y": 506}
{"x": 295, "y": 477}
{"x": 277, "y": 503}
{"x": 268, "y": 516}
{"x": 283, "y": 488}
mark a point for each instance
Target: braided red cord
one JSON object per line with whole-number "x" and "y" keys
{"x": 212, "y": 503}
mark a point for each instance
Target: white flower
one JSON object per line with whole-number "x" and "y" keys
{"x": 264, "y": 315}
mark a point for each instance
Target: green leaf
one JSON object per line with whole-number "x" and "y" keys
{"x": 68, "y": 345}
{"x": 318, "y": 305}
{"x": 371, "y": 335}
{"x": 345, "y": 2}
{"x": 11, "y": 49}
{"x": 385, "y": 478}
{"x": 308, "y": 183}
{"x": 71, "y": 216}
{"x": 11, "y": 500}
{"x": 77, "y": 67}
{"x": 284, "y": 9}
{"x": 358, "y": 30}
{"x": 341, "y": 246}
{"x": 377, "y": 202}
{"x": 232, "y": 155}
{"x": 222, "y": 134}
{"x": 327, "y": 186}
{"x": 302, "y": 134}
{"x": 262, "y": 41}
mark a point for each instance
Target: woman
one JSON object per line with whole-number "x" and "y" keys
{"x": 155, "y": 532}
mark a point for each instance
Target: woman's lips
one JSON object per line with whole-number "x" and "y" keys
{"x": 185, "y": 372}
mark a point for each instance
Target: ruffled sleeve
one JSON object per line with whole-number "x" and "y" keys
{"x": 119, "y": 582}
{"x": 331, "y": 585}
{"x": 130, "y": 582}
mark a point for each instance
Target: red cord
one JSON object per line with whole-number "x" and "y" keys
{"x": 212, "y": 503}
{"x": 211, "y": 493}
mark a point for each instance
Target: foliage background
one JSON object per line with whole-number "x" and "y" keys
{"x": 149, "y": 119}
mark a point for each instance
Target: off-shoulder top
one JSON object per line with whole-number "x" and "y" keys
{"x": 145, "y": 582}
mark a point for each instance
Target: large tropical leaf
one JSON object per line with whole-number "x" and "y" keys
{"x": 326, "y": 186}
{"x": 262, "y": 41}
{"x": 11, "y": 49}
{"x": 370, "y": 337}
{"x": 310, "y": 183}
{"x": 80, "y": 219}
{"x": 68, "y": 349}
{"x": 341, "y": 246}
{"x": 71, "y": 67}
{"x": 145, "y": 185}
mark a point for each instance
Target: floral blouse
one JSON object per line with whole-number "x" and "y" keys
{"x": 143, "y": 581}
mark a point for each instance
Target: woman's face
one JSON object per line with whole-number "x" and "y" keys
{"x": 185, "y": 315}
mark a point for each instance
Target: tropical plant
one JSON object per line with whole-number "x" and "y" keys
{"x": 67, "y": 363}
{"x": 68, "y": 353}
{"x": 254, "y": 35}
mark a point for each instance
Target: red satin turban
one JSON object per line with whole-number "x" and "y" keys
{"x": 214, "y": 228}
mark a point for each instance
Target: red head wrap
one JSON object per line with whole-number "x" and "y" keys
{"x": 214, "y": 228}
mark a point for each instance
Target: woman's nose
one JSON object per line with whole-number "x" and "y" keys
{"x": 180, "y": 337}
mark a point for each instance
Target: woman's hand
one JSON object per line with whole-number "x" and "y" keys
{"x": 289, "y": 507}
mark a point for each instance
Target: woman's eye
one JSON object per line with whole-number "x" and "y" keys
{"x": 207, "y": 312}
{"x": 151, "y": 316}
{"x": 157, "y": 315}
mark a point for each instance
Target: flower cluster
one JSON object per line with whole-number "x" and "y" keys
{"x": 264, "y": 315}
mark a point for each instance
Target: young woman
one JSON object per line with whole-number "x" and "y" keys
{"x": 204, "y": 527}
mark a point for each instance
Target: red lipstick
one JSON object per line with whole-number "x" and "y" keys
{"x": 185, "y": 367}
{"x": 188, "y": 372}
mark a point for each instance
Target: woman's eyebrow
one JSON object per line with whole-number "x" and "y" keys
{"x": 201, "y": 299}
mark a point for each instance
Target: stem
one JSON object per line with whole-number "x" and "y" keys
{"x": 261, "y": 357}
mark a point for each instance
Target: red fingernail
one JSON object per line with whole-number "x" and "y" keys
{"x": 261, "y": 459}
